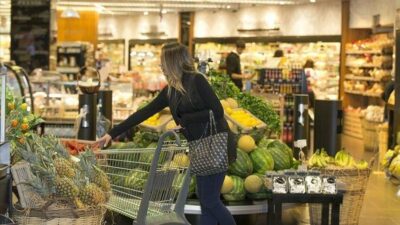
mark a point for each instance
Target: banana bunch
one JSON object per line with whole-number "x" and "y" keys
{"x": 389, "y": 156}
{"x": 394, "y": 167}
{"x": 320, "y": 159}
{"x": 344, "y": 159}
{"x": 362, "y": 165}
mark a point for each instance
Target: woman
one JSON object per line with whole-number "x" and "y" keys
{"x": 190, "y": 97}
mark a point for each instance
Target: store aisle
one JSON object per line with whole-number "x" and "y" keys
{"x": 381, "y": 206}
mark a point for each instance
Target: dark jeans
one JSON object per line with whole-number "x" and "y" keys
{"x": 213, "y": 211}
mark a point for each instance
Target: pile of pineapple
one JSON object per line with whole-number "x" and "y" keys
{"x": 58, "y": 177}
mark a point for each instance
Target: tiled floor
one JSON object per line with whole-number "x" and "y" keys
{"x": 381, "y": 206}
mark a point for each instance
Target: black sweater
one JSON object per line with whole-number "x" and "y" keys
{"x": 190, "y": 110}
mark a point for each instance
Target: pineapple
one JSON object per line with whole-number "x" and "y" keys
{"x": 66, "y": 188}
{"x": 79, "y": 204}
{"x": 92, "y": 195}
{"x": 94, "y": 173}
{"x": 101, "y": 179}
{"x": 64, "y": 168}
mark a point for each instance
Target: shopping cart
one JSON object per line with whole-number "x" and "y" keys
{"x": 149, "y": 185}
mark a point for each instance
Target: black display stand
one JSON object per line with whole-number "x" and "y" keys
{"x": 301, "y": 122}
{"x": 104, "y": 98}
{"x": 332, "y": 201}
{"x": 30, "y": 33}
{"x": 87, "y": 129}
{"x": 328, "y": 125}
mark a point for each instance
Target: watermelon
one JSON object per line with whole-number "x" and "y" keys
{"x": 136, "y": 179}
{"x": 243, "y": 166}
{"x": 282, "y": 155}
{"x": 238, "y": 193}
{"x": 178, "y": 180}
{"x": 262, "y": 160}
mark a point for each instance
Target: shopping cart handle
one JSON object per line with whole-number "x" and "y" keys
{"x": 167, "y": 134}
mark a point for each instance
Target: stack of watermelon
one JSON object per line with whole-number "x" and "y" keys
{"x": 246, "y": 175}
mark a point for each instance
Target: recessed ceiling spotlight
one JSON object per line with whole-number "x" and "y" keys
{"x": 145, "y": 13}
{"x": 313, "y": 1}
{"x": 228, "y": 6}
{"x": 164, "y": 11}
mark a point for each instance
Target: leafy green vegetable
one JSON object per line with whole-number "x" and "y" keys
{"x": 225, "y": 88}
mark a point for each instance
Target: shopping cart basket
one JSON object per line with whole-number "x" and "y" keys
{"x": 149, "y": 185}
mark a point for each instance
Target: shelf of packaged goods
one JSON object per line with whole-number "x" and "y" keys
{"x": 68, "y": 69}
{"x": 366, "y": 94}
{"x": 364, "y": 66}
{"x": 363, "y": 78}
{"x": 362, "y": 52}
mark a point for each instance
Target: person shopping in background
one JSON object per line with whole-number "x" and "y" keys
{"x": 233, "y": 67}
{"x": 190, "y": 98}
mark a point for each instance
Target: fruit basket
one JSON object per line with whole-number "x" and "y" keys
{"x": 34, "y": 210}
{"x": 60, "y": 216}
{"x": 244, "y": 120}
{"x": 370, "y": 137}
{"x": 355, "y": 181}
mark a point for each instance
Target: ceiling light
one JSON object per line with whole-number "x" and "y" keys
{"x": 99, "y": 8}
{"x": 164, "y": 11}
{"x": 70, "y": 13}
{"x": 145, "y": 13}
{"x": 313, "y": 1}
{"x": 228, "y": 6}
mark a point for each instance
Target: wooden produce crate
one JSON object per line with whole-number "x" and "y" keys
{"x": 163, "y": 121}
{"x": 242, "y": 128}
{"x": 352, "y": 125}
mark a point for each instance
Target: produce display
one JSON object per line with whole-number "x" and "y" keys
{"x": 56, "y": 177}
{"x": 245, "y": 176}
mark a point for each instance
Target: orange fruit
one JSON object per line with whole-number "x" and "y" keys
{"x": 24, "y": 126}
{"x": 14, "y": 123}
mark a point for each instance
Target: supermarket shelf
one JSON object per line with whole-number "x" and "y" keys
{"x": 68, "y": 69}
{"x": 352, "y": 77}
{"x": 363, "y": 94}
{"x": 362, "y": 52}
{"x": 364, "y": 66}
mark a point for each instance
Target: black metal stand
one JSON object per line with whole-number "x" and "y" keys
{"x": 87, "y": 130}
{"x": 328, "y": 125}
{"x": 327, "y": 200}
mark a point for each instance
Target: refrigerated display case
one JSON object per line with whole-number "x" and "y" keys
{"x": 144, "y": 60}
{"x": 18, "y": 82}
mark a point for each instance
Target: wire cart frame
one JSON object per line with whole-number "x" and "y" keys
{"x": 149, "y": 185}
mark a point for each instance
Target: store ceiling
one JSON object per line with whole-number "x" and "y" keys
{"x": 132, "y": 6}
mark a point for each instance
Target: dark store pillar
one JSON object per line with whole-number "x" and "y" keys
{"x": 186, "y": 25}
{"x": 396, "y": 125}
{"x": 30, "y": 33}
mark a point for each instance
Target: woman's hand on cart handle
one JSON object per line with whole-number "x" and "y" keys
{"x": 104, "y": 141}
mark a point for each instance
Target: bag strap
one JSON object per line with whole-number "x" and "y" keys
{"x": 213, "y": 124}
